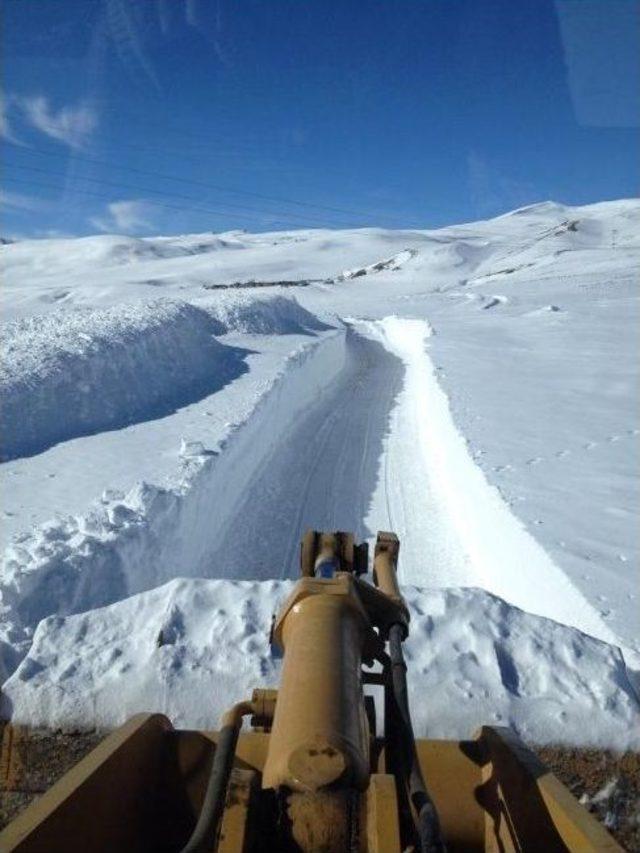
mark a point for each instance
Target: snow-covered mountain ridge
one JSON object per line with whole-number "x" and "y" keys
{"x": 472, "y": 387}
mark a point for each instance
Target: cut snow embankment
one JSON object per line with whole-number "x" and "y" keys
{"x": 253, "y": 314}
{"x": 123, "y": 546}
{"x": 74, "y": 373}
{"x": 192, "y": 647}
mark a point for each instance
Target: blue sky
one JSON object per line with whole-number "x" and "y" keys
{"x": 168, "y": 116}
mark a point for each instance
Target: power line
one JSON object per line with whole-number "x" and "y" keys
{"x": 181, "y": 208}
{"x": 207, "y": 133}
{"x": 201, "y": 184}
{"x": 195, "y": 141}
{"x": 137, "y": 188}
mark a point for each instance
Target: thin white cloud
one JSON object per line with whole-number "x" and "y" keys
{"x": 124, "y": 216}
{"x": 18, "y": 201}
{"x": 6, "y": 131}
{"x": 128, "y": 25}
{"x": 72, "y": 125}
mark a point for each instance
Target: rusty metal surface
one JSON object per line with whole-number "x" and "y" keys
{"x": 238, "y": 832}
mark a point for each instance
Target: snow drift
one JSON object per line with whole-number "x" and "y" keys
{"x": 253, "y": 314}
{"x": 125, "y": 544}
{"x": 73, "y": 373}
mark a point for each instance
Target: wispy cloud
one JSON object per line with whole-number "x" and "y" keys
{"x": 124, "y": 216}
{"x": 72, "y": 125}
{"x": 128, "y": 25}
{"x": 18, "y": 201}
{"x": 6, "y": 131}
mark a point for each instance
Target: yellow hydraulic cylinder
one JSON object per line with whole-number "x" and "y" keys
{"x": 385, "y": 561}
{"x": 320, "y": 733}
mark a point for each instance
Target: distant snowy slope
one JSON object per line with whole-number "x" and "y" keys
{"x": 59, "y": 256}
{"x": 43, "y": 275}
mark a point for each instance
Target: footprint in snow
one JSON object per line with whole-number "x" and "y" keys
{"x": 562, "y": 453}
{"x": 535, "y": 461}
{"x": 494, "y": 302}
{"x": 590, "y": 445}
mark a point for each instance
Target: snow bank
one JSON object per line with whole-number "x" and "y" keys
{"x": 504, "y": 557}
{"x": 126, "y": 544}
{"x": 192, "y": 647}
{"x": 263, "y": 315}
{"x": 74, "y": 373}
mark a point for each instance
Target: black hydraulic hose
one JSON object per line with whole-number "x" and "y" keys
{"x": 428, "y": 822}
{"x": 204, "y": 835}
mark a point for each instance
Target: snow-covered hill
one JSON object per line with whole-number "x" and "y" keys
{"x": 168, "y": 414}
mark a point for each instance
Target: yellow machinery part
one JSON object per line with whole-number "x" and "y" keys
{"x": 320, "y": 733}
{"x": 141, "y": 788}
{"x": 313, "y": 777}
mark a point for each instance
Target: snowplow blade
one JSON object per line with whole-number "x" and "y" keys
{"x": 143, "y": 787}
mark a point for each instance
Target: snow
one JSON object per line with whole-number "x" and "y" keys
{"x": 185, "y": 647}
{"x": 474, "y": 388}
{"x": 130, "y": 542}
{"x": 393, "y": 263}
{"x": 512, "y": 563}
{"x": 82, "y": 372}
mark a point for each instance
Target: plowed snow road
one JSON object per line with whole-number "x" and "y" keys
{"x": 324, "y": 471}
{"x": 378, "y": 450}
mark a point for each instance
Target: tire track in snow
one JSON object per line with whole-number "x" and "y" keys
{"x": 323, "y": 473}
{"x": 294, "y": 544}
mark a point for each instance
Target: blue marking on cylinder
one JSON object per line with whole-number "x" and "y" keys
{"x": 327, "y": 568}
